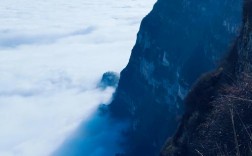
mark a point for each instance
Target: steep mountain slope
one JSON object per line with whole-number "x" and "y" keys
{"x": 177, "y": 42}
{"x": 219, "y": 108}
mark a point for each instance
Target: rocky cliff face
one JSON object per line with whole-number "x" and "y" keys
{"x": 219, "y": 108}
{"x": 177, "y": 42}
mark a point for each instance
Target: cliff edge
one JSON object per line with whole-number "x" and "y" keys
{"x": 177, "y": 42}
{"x": 219, "y": 107}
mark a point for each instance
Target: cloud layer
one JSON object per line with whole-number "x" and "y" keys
{"x": 52, "y": 54}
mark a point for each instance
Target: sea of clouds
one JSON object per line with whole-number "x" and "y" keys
{"x": 52, "y": 55}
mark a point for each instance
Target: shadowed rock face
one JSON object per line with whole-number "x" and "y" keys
{"x": 109, "y": 79}
{"x": 177, "y": 42}
{"x": 219, "y": 107}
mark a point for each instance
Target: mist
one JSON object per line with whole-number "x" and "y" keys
{"x": 52, "y": 56}
{"x": 99, "y": 136}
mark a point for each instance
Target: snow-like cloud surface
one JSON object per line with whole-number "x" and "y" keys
{"x": 52, "y": 53}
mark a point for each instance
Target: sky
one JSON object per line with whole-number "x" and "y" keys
{"x": 52, "y": 55}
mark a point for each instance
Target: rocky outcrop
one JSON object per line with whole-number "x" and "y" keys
{"x": 177, "y": 42}
{"x": 109, "y": 79}
{"x": 219, "y": 107}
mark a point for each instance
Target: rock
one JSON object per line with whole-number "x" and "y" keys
{"x": 109, "y": 79}
{"x": 218, "y": 113}
{"x": 177, "y": 42}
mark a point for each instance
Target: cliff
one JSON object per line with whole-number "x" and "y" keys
{"x": 177, "y": 42}
{"x": 219, "y": 107}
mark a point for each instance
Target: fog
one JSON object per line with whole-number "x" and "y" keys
{"x": 52, "y": 55}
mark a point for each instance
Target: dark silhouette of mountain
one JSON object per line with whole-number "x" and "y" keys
{"x": 218, "y": 113}
{"x": 177, "y": 42}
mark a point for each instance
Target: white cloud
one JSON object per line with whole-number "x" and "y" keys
{"x": 52, "y": 53}
{"x": 11, "y": 39}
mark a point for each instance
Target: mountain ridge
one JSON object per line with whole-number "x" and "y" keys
{"x": 217, "y": 119}
{"x": 172, "y": 50}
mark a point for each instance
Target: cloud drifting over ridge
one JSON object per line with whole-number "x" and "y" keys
{"x": 52, "y": 53}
